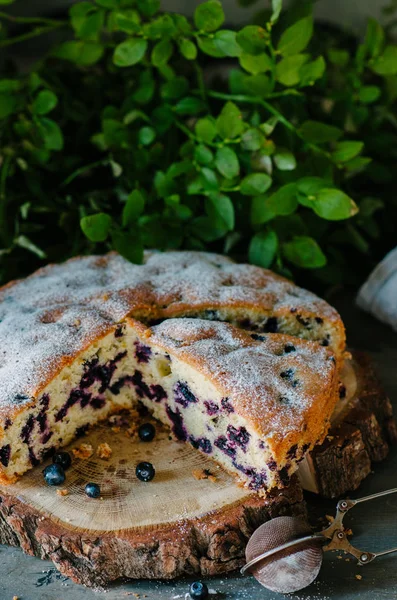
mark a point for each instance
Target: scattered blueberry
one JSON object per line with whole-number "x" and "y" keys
{"x": 145, "y": 471}
{"x": 92, "y": 490}
{"x": 54, "y": 475}
{"x": 146, "y": 432}
{"x": 62, "y": 458}
{"x": 198, "y": 590}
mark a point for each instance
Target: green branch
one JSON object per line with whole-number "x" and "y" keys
{"x": 27, "y": 20}
{"x": 270, "y": 108}
{"x": 31, "y": 34}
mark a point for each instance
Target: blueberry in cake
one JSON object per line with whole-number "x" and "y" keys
{"x": 250, "y": 405}
{"x": 71, "y": 355}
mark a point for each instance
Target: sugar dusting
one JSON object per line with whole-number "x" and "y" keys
{"x": 251, "y": 372}
{"x": 55, "y": 313}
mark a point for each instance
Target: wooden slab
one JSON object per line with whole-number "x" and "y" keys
{"x": 362, "y": 433}
{"x": 170, "y": 526}
{"x": 176, "y": 524}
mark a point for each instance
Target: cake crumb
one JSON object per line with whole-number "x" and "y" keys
{"x": 199, "y": 474}
{"x": 63, "y": 492}
{"x": 132, "y": 432}
{"x": 348, "y": 531}
{"x": 329, "y": 518}
{"x": 116, "y": 429}
{"x": 15, "y": 598}
{"x": 83, "y": 451}
{"x": 104, "y": 451}
{"x": 359, "y": 577}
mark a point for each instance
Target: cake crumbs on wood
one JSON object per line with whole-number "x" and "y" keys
{"x": 359, "y": 577}
{"x": 104, "y": 451}
{"x": 62, "y": 492}
{"x": 132, "y": 432}
{"x": 199, "y": 474}
{"x": 83, "y": 451}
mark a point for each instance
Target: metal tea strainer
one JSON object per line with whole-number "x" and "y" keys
{"x": 284, "y": 556}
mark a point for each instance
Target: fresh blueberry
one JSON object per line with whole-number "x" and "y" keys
{"x": 198, "y": 590}
{"x": 92, "y": 490}
{"x": 146, "y": 432}
{"x": 54, "y": 475}
{"x": 145, "y": 471}
{"x": 62, "y": 458}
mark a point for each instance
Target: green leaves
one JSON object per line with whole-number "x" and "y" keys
{"x": 128, "y": 245}
{"x": 288, "y": 69}
{"x": 284, "y": 160}
{"x": 96, "y": 227}
{"x": 161, "y": 53}
{"x": 255, "y": 184}
{"x": 191, "y": 105}
{"x": 209, "y": 16}
{"x": 219, "y": 206}
{"x": 229, "y": 124}
{"x": 255, "y": 64}
{"x": 225, "y": 41}
{"x": 206, "y": 129}
{"x": 283, "y": 201}
{"x": 246, "y": 168}
{"x": 374, "y": 38}
{"x": 263, "y": 249}
{"x": 296, "y": 38}
{"x": 369, "y": 93}
{"x": 87, "y": 21}
{"x": 133, "y": 208}
{"x": 50, "y": 133}
{"x": 253, "y": 39}
{"x": 319, "y": 133}
{"x": 345, "y": 151}
{"x": 7, "y": 105}
{"x": 303, "y": 251}
{"x": 276, "y": 10}
{"x": 129, "y": 52}
{"x": 334, "y": 205}
{"x": 226, "y": 162}
{"x": 81, "y": 53}
{"x": 386, "y": 63}
{"x": 188, "y": 49}
{"x": 44, "y": 102}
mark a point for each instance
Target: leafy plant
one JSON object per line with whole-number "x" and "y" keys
{"x": 275, "y": 142}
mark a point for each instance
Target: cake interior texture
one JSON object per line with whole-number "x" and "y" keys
{"x": 255, "y": 403}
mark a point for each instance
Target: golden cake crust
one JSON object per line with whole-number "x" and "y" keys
{"x": 49, "y": 318}
{"x": 288, "y": 397}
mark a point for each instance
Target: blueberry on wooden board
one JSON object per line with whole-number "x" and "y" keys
{"x": 145, "y": 471}
{"x": 146, "y": 432}
{"x": 63, "y": 459}
{"x": 92, "y": 490}
{"x": 54, "y": 475}
{"x": 198, "y": 591}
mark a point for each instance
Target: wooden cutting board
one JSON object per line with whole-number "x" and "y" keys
{"x": 177, "y": 524}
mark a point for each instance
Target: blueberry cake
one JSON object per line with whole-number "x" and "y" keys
{"x": 254, "y": 403}
{"x": 69, "y": 358}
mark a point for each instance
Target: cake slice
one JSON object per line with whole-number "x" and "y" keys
{"x": 254, "y": 403}
{"x": 167, "y": 285}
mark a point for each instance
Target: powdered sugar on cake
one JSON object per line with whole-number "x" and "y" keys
{"x": 50, "y": 317}
{"x": 268, "y": 385}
